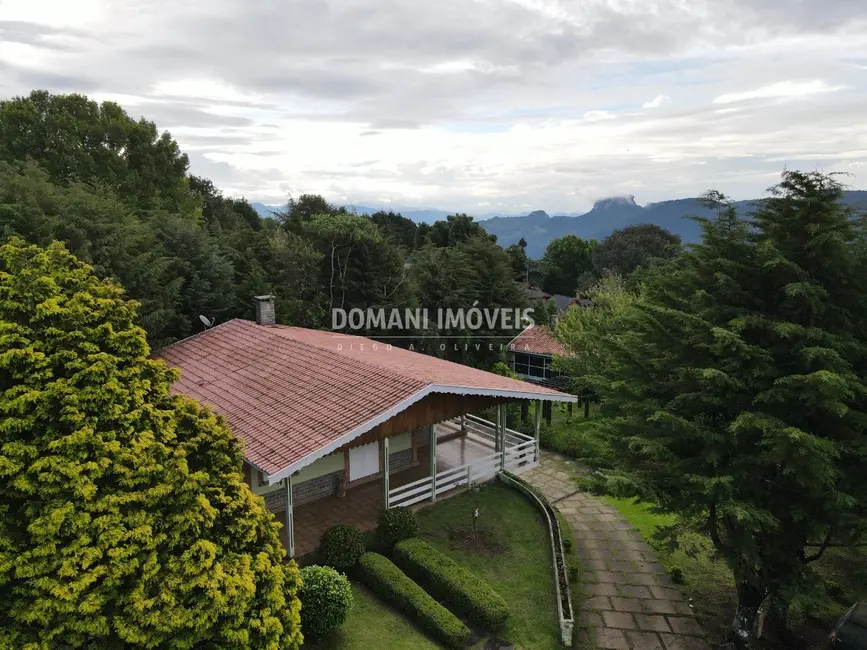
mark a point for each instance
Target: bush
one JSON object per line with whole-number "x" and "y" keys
{"x": 341, "y": 546}
{"x": 395, "y": 525}
{"x": 326, "y": 598}
{"x": 393, "y": 586}
{"x": 447, "y": 581}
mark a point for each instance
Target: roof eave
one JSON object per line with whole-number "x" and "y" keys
{"x": 348, "y": 437}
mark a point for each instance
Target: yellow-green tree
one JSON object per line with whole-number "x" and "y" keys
{"x": 124, "y": 518}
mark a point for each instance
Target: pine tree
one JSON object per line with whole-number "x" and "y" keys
{"x": 736, "y": 388}
{"x": 125, "y": 521}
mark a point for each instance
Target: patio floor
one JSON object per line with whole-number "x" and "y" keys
{"x": 363, "y": 504}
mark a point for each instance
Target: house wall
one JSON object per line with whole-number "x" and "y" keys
{"x": 323, "y": 477}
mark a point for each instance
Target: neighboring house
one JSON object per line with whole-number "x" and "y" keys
{"x": 338, "y": 427}
{"x": 564, "y": 302}
{"x": 534, "y": 293}
{"x": 531, "y": 357}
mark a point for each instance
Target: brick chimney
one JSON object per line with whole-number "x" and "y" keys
{"x": 265, "y": 310}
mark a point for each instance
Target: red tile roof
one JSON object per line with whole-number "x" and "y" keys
{"x": 538, "y": 339}
{"x": 294, "y": 394}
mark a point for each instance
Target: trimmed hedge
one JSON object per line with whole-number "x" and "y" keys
{"x": 341, "y": 546}
{"x": 447, "y": 581}
{"x": 392, "y": 585}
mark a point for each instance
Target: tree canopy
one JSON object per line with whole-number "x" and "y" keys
{"x": 566, "y": 259}
{"x": 625, "y": 250}
{"x": 735, "y": 382}
{"x": 125, "y": 520}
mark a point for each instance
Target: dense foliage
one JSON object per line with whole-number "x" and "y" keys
{"x": 392, "y": 585}
{"x": 625, "y": 251}
{"x": 396, "y": 524}
{"x": 125, "y": 520}
{"x": 450, "y": 583}
{"x": 734, "y": 382}
{"x": 118, "y": 194}
{"x": 326, "y": 599}
{"x": 566, "y": 259}
{"x": 341, "y": 546}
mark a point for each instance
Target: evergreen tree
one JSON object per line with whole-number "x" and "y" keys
{"x": 735, "y": 386}
{"x": 125, "y": 521}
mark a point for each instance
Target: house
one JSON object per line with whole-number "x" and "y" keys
{"x": 531, "y": 357}
{"x": 533, "y": 293}
{"x": 338, "y": 427}
{"x": 562, "y": 302}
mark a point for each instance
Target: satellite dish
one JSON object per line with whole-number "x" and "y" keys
{"x": 206, "y": 321}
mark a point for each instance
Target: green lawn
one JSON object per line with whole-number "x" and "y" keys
{"x": 521, "y": 572}
{"x": 372, "y": 624}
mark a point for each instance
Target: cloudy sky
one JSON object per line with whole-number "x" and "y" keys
{"x": 478, "y": 105}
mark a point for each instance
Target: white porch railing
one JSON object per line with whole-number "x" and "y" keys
{"x": 519, "y": 454}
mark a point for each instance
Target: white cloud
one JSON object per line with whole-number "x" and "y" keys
{"x": 779, "y": 89}
{"x": 595, "y": 116}
{"x": 656, "y": 102}
{"x": 494, "y": 105}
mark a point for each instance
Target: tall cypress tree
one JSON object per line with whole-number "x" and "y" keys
{"x": 125, "y": 521}
{"x": 736, "y": 387}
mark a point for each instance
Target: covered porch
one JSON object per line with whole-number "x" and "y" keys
{"x": 465, "y": 450}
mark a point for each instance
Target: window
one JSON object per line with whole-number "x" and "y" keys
{"x": 534, "y": 365}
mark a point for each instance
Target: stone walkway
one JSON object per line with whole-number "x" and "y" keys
{"x": 630, "y": 602}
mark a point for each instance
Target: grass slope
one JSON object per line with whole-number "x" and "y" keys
{"x": 521, "y": 572}
{"x": 373, "y": 624}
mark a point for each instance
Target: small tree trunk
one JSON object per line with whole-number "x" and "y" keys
{"x": 546, "y": 412}
{"x": 585, "y": 397}
{"x": 569, "y": 414}
{"x": 744, "y": 628}
{"x": 525, "y": 411}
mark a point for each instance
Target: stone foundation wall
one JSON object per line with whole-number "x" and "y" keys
{"x": 316, "y": 488}
{"x": 399, "y": 460}
{"x": 328, "y": 484}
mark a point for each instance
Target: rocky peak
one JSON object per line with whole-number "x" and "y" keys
{"x": 615, "y": 202}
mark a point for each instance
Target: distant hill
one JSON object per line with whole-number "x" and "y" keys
{"x": 416, "y": 214}
{"x": 266, "y": 210}
{"x": 608, "y": 215}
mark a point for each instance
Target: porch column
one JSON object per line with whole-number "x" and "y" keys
{"x": 385, "y": 479}
{"x": 463, "y": 425}
{"x": 433, "y": 462}
{"x": 537, "y": 417}
{"x": 290, "y": 521}
{"x": 501, "y": 425}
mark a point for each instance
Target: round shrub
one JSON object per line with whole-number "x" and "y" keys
{"x": 396, "y": 525}
{"x": 326, "y": 599}
{"x": 341, "y": 546}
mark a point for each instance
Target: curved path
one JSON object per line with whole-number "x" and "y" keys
{"x": 630, "y": 602}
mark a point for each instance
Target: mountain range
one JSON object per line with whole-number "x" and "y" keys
{"x": 610, "y": 214}
{"x": 419, "y": 215}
